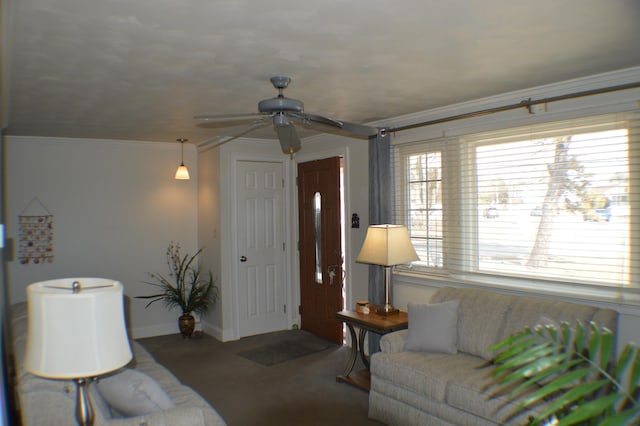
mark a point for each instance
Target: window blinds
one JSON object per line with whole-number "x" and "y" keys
{"x": 555, "y": 203}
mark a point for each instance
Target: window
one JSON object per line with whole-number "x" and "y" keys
{"x": 424, "y": 205}
{"x": 546, "y": 203}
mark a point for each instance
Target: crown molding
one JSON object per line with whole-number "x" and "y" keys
{"x": 613, "y": 78}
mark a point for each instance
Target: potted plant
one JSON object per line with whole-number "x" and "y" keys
{"x": 184, "y": 287}
{"x": 574, "y": 373}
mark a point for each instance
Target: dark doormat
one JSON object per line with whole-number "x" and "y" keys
{"x": 287, "y": 346}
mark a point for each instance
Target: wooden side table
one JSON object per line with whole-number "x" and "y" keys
{"x": 380, "y": 324}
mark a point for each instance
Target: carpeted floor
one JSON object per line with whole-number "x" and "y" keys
{"x": 286, "y": 347}
{"x": 298, "y": 390}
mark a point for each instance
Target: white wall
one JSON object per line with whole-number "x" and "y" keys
{"x": 209, "y": 231}
{"x": 116, "y": 207}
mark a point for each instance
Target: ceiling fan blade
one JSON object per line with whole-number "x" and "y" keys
{"x": 320, "y": 121}
{"x": 221, "y": 140}
{"x": 227, "y": 120}
{"x": 314, "y": 118}
{"x": 289, "y": 140}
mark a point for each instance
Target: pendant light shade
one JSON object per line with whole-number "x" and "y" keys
{"x": 182, "y": 173}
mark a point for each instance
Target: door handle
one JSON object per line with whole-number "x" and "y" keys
{"x": 243, "y": 258}
{"x": 331, "y": 270}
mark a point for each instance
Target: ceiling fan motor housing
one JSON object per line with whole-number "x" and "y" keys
{"x": 280, "y": 104}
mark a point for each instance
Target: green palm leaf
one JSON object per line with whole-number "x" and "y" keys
{"x": 570, "y": 374}
{"x": 588, "y": 411}
{"x": 626, "y": 417}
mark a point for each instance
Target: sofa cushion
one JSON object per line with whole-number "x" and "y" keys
{"x": 474, "y": 391}
{"x": 424, "y": 373}
{"x": 481, "y": 315}
{"x": 433, "y": 327}
{"x": 527, "y": 311}
{"x": 133, "y": 393}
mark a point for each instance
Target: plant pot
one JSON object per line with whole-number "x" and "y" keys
{"x": 187, "y": 324}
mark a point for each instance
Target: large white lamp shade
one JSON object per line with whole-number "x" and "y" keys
{"x": 76, "y": 334}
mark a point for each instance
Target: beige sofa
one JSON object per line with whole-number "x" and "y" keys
{"x": 422, "y": 387}
{"x": 144, "y": 386}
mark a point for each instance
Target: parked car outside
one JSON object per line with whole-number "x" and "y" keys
{"x": 597, "y": 215}
{"x": 491, "y": 212}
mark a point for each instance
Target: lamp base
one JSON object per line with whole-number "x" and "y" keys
{"x": 386, "y": 310}
{"x": 84, "y": 407}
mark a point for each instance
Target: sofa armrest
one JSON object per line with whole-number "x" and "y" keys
{"x": 394, "y": 342}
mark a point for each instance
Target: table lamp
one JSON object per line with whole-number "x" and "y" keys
{"x": 76, "y": 330}
{"x": 387, "y": 245}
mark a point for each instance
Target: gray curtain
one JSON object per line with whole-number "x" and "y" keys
{"x": 380, "y": 212}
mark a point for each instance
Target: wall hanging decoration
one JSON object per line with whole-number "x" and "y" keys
{"x": 36, "y": 234}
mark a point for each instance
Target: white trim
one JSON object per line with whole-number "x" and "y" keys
{"x": 562, "y": 110}
{"x": 613, "y": 78}
{"x": 154, "y": 330}
{"x": 40, "y": 139}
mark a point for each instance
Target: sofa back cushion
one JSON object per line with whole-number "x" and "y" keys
{"x": 486, "y": 317}
{"x": 528, "y": 311}
{"x": 481, "y": 314}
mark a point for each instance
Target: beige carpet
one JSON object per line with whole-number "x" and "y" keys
{"x": 300, "y": 391}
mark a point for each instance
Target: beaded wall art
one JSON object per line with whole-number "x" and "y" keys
{"x": 35, "y": 234}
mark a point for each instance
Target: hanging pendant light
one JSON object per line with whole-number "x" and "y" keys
{"x": 182, "y": 172}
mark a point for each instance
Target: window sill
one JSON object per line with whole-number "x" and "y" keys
{"x": 609, "y": 297}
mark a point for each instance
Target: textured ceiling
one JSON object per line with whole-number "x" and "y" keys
{"x": 140, "y": 70}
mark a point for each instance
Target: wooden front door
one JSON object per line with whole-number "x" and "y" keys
{"x": 320, "y": 247}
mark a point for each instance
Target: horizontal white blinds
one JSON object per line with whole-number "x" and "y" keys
{"x": 556, "y": 202}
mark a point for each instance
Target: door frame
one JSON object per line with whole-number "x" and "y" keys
{"x": 244, "y": 149}
{"x": 230, "y": 155}
{"x": 303, "y": 157}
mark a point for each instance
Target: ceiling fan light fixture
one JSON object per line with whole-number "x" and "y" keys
{"x": 280, "y": 120}
{"x": 182, "y": 173}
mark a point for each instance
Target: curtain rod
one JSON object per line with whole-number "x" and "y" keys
{"x": 527, "y": 103}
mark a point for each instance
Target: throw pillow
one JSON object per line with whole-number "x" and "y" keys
{"x": 433, "y": 327}
{"x": 133, "y": 393}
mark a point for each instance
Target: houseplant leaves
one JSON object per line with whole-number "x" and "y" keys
{"x": 574, "y": 373}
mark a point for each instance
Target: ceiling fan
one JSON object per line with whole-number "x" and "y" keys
{"x": 282, "y": 112}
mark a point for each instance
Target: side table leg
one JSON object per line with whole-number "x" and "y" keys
{"x": 354, "y": 351}
{"x": 361, "y": 336}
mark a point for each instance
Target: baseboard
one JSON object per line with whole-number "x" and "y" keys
{"x": 154, "y": 330}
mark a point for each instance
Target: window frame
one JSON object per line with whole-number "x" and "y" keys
{"x": 460, "y": 225}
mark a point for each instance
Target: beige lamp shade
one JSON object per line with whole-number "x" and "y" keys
{"x": 78, "y": 334}
{"x": 387, "y": 245}
{"x": 182, "y": 173}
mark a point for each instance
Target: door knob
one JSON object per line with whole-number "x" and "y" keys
{"x": 331, "y": 270}
{"x": 243, "y": 258}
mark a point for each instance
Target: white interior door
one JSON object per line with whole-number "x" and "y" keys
{"x": 260, "y": 257}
